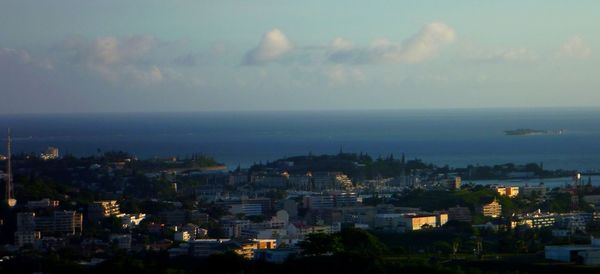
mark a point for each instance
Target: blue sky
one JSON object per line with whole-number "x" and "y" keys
{"x": 143, "y": 56}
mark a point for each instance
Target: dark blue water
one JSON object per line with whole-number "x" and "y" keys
{"x": 453, "y": 137}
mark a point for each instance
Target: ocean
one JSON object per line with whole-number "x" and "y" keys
{"x": 444, "y": 137}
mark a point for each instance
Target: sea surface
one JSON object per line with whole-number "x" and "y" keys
{"x": 444, "y": 137}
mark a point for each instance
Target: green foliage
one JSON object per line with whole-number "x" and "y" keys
{"x": 558, "y": 202}
{"x": 320, "y": 244}
{"x": 350, "y": 241}
{"x": 360, "y": 242}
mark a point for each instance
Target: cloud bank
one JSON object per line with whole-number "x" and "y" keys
{"x": 115, "y": 59}
{"x": 418, "y": 48}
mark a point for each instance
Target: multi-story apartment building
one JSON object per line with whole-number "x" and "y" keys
{"x": 492, "y": 209}
{"x": 103, "y": 209}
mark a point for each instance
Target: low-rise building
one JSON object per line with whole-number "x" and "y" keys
{"x": 585, "y": 254}
{"x": 509, "y": 191}
{"x": 533, "y": 191}
{"x": 461, "y": 214}
{"x": 248, "y": 247}
{"x": 534, "y": 220}
{"x": 417, "y": 222}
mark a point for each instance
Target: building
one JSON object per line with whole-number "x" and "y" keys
{"x": 345, "y": 199}
{"x": 454, "y": 184}
{"x": 42, "y": 204}
{"x": 195, "y": 231}
{"x": 531, "y": 191}
{"x": 50, "y": 153}
{"x": 121, "y": 241}
{"x": 102, "y": 209}
{"x": 389, "y": 221}
{"x": 320, "y": 201}
{"x": 60, "y": 222}
{"x": 534, "y": 220}
{"x": 198, "y": 217}
{"x": 441, "y": 218}
{"x": 584, "y": 254}
{"x": 25, "y": 221}
{"x": 278, "y": 256}
{"x": 330, "y": 181}
{"x": 300, "y": 182}
{"x": 269, "y": 180}
{"x": 247, "y": 209}
{"x": 238, "y": 178}
{"x": 247, "y": 248}
{"x": 182, "y": 236}
{"x": 207, "y": 247}
{"x": 509, "y": 191}
{"x": 492, "y": 209}
{"x": 418, "y": 222}
{"x": 265, "y": 204}
{"x": 233, "y": 228}
{"x": 132, "y": 220}
{"x": 291, "y": 207}
{"x": 23, "y": 238}
{"x": 461, "y": 214}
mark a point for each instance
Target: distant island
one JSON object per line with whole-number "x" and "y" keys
{"x": 529, "y": 131}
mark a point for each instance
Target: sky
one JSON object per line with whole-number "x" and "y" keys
{"x": 73, "y": 56}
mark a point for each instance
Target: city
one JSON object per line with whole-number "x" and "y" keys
{"x": 97, "y": 209}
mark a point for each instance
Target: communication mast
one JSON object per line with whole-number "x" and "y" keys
{"x": 8, "y": 194}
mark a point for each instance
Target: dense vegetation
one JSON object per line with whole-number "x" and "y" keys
{"x": 350, "y": 251}
{"x": 363, "y": 166}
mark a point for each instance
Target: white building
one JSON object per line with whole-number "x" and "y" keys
{"x": 587, "y": 254}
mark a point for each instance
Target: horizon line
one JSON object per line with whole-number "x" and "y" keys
{"x": 533, "y": 108}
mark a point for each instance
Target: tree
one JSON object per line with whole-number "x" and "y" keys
{"x": 361, "y": 242}
{"x": 320, "y": 244}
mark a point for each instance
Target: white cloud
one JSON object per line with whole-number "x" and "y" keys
{"x": 576, "y": 47}
{"x": 14, "y": 55}
{"x": 340, "y": 74}
{"x": 116, "y": 59}
{"x": 111, "y": 50}
{"x": 273, "y": 45}
{"x": 424, "y": 44}
{"x": 11, "y": 57}
{"x": 420, "y": 47}
{"x": 341, "y": 44}
{"x": 513, "y": 55}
